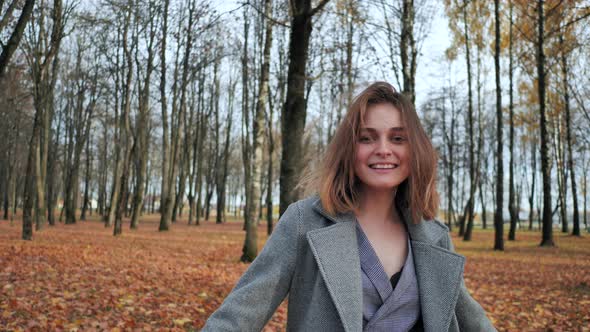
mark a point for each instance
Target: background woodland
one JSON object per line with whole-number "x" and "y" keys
{"x": 135, "y": 114}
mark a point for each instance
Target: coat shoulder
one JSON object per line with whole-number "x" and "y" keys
{"x": 431, "y": 231}
{"x": 440, "y": 224}
{"x": 307, "y": 203}
{"x": 312, "y": 212}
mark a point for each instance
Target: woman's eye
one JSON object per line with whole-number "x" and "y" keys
{"x": 398, "y": 139}
{"x": 364, "y": 139}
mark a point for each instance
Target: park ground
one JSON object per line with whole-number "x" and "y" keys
{"x": 82, "y": 278}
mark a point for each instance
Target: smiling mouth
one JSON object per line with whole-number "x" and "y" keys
{"x": 383, "y": 166}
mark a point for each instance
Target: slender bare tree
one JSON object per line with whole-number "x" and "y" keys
{"x": 498, "y": 217}
{"x": 34, "y": 181}
{"x": 295, "y": 108}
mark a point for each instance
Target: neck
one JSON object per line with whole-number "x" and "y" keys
{"x": 377, "y": 207}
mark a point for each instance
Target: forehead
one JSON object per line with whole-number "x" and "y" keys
{"x": 382, "y": 116}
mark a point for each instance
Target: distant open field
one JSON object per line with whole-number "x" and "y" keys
{"x": 80, "y": 277}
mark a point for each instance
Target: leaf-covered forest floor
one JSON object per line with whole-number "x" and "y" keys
{"x": 81, "y": 277}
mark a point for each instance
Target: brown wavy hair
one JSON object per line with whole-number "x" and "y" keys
{"x": 337, "y": 185}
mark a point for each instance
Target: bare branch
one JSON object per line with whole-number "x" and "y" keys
{"x": 8, "y": 14}
{"x": 577, "y": 19}
{"x": 16, "y": 36}
{"x": 319, "y": 7}
{"x": 281, "y": 23}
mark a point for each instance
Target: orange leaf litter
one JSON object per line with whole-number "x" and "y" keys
{"x": 81, "y": 277}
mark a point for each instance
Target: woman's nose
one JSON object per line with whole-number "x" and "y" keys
{"x": 383, "y": 148}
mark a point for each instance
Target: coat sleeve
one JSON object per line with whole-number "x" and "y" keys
{"x": 265, "y": 283}
{"x": 470, "y": 315}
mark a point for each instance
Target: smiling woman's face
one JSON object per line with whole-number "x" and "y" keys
{"x": 382, "y": 152}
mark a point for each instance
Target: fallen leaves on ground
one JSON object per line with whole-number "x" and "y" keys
{"x": 81, "y": 278}
{"x": 527, "y": 287}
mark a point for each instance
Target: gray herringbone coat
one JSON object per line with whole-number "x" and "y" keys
{"x": 313, "y": 257}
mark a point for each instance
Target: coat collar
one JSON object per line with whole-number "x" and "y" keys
{"x": 438, "y": 270}
{"x": 336, "y": 253}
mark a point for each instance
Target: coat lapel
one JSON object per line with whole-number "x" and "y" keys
{"x": 336, "y": 253}
{"x": 439, "y": 272}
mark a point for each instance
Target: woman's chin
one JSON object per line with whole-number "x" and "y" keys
{"x": 381, "y": 188}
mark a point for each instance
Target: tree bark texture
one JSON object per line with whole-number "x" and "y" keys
{"x": 295, "y": 108}
{"x": 251, "y": 245}
{"x": 498, "y": 215}
{"x": 35, "y": 181}
{"x": 468, "y": 215}
{"x": 221, "y": 186}
{"x": 408, "y": 51}
{"x": 570, "y": 161}
{"x": 511, "y": 195}
{"x": 174, "y": 160}
{"x": 16, "y": 36}
{"x": 547, "y": 219}
{"x": 164, "y": 110}
{"x": 125, "y": 141}
{"x": 142, "y": 126}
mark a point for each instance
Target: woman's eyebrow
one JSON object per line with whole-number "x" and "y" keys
{"x": 396, "y": 129}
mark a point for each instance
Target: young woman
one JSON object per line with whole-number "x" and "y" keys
{"x": 366, "y": 252}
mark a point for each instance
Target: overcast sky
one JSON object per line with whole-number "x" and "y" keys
{"x": 431, "y": 70}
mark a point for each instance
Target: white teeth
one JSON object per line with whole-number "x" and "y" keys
{"x": 383, "y": 166}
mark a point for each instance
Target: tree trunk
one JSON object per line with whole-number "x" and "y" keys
{"x": 52, "y": 189}
{"x": 451, "y": 148}
{"x": 143, "y": 136}
{"x": 165, "y": 150}
{"x": 295, "y": 108}
{"x": 532, "y": 194}
{"x": 269, "y": 171}
{"x": 480, "y": 145}
{"x": 245, "y": 129}
{"x": 498, "y": 217}
{"x": 566, "y": 99}
{"x": 221, "y": 187}
{"x": 178, "y": 137}
{"x": 114, "y": 197}
{"x": 449, "y": 144}
{"x": 585, "y": 191}
{"x": 81, "y": 127}
{"x": 35, "y": 182}
{"x": 484, "y": 218}
{"x": 179, "y": 200}
{"x": 408, "y": 51}
{"x": 511, "y": 196}
{"x": 29, "y": 191}
{"x": 102, "y": 191}
{"x": 547, "y": 220}
{"x": 86, "y": 181}
{"x": 209, "y": 193}
{"x": 125, "y": 128}
{"x": 250, "y": 245}
{"x": 468, "y": 214}
{"x": 44, "y": 83}
{"x": 15, "y": 38}
{"x": 558, "y": 147}
{"x": 10, "y": 198}
{"x": 200, "y": 139}
{"x": 142, "y": 150}
{"x": 192, "y": 141}
{"x": 7, "y": 191}
{"x": 216, "y": 149}
{"x": 46, "y": 165}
